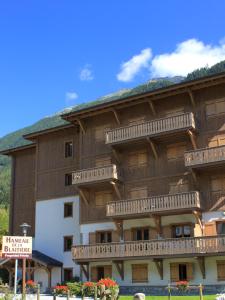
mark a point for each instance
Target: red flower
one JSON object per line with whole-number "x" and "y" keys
{"x": 107, "y": 282}
{"x": 89, "y": 284}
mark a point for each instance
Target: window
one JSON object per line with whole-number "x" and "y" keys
{"x": 215, "y": 107}
{"x": 220, "y": 270}
{"x": 68, "y": 179}
{"x": 183, "y": 271}
{"x": 179, "y": 186}
{"x": 176, "y": 151}
{"x": 103, "y": 161}
{"x": 138, "y": 192}
{"x": 180, "y": 231}
{"x": 220, "y": 227}
{"x": 68, "y": 274}
{"x": 68, "y": 209}
{"x": 103, "y": 197}
{"x": 217, "y": 141}
{"x": 104, "y": 237}
{"x": 140, "y": 273}
{"x": 68, "y": 149}
{"x": 138, "y": 158}
{"x": 100, "y": 272}
{"x": 68, "y": 242}
{"x": 140, "y": 234}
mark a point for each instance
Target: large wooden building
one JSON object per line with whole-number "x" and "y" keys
{"x": 132, "y": 188}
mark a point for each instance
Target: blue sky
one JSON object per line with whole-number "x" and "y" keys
{"x": 58, "y": 53}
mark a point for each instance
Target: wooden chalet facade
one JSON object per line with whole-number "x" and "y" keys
{"x": 147, "y": 176}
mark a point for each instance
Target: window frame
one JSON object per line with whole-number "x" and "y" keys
{"x": 106, "y": 235}
{"x": 133, "y": 266}
{"x": 66, "y": 155}
{"x": 65, "y": 239}
{"x": 65, "y": 270}
{"x": 173, "y": 226}
{"x": 134, "y": 233}
{"x": 68, "y": 204}
{"x": 68, "y": 179}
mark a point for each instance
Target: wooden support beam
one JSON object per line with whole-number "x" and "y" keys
{"x": 116, "y": 115}
{"x": 201, "y": 263}
{"x": 81, "y": 125}
{"x": 119, "y": 227}
{"x": 195, "y": 178}
{"x": 116, "y": 155}
{"x": 198, "y": 217}
{"x": 83, "y": 196}
{"x": 193, "y": 139}
{"x": 153, "y": 147}
{"x": 120, "y": 268}
{"x": 159, "y": 267}
{"x": 158, "y": 224}
{"x": 152, "y": 107}
{"x": 85, "y": 270}
{"x": 192, "y": 98}
{"x": 116, "y": 189}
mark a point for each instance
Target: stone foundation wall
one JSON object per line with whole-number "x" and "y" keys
{"x": 162, "y": 290}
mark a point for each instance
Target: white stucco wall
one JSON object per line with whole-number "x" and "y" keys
{"x": 51, "y": 227}
{"x": 154, "y": 278}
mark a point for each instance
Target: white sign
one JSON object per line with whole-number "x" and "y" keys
{"x": 17, "y": 247}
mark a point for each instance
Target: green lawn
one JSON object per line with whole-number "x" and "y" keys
{"x": 209, "y": 297}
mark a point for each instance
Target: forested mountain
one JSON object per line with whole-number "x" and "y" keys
{"x": 15, "y": 139}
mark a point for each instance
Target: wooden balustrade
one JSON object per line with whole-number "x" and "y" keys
{"x": 151, "y": 128}
{"x": 96, "y": 174}
{"x": 205, "y": 156}
{"x": 162, "y": 203}
{"x": 151, "y": 248}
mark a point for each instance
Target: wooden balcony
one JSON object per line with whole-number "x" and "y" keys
{"x": 157, "y": 204}
{"x": 196, "y": 246}
{"x": 205, "y": 157}
{"x": 153, "y": 128}
{"x": 98, "y": 174}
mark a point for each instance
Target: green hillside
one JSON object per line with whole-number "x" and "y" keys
{"x": 15, "y": 139}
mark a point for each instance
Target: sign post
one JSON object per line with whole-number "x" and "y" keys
{"x": 15, "y": 277}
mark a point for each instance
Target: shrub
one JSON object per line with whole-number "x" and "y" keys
{"x": 60, "y": 289}
{"x": 75, "y": 288}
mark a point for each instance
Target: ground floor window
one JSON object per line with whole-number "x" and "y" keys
{"x": 181, "y": 271}
{"x": 220, "y": 270}
{"x": 140, "y": 273}
{"x": 99, "y": 272}
{"x": 68, "y": 274}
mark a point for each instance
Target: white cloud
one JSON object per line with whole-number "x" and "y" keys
{"x": 71, "y": 97}
{"x": 86, "y": 74}
{"x": 132, "y": 67}
{"x": 188, "y": 56}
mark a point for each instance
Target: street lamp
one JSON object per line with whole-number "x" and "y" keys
{"x": 24, "y": 228}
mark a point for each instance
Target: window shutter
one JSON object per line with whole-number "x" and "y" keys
{"x": 128, "y": 235}
{"x": 189, "y": 271}
{"x": 167, "y": 232}
{"x": 92, "y": 238}
{"x": 94, "y": 274}
{"x": 220, "y": 270}
{"x": 107, "y": 271}
{"x": 140, "y": 273}
{"x": 115, "y": 236}
{"x": 210, "y": 229}
{"x": 174, "y": 272}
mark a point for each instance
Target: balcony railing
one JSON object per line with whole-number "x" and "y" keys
{"x": 95, "y": 174}
{"x": 154, "y": 204}
{"x": 151, "y": 128}
{"x": 151, "y": 248}
{"x": 205, "y": 156}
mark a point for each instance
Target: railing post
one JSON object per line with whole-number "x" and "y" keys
{"x": 169, "y": 292}
{"x": 200, "y": 292}
{"x": 38, "y": 291}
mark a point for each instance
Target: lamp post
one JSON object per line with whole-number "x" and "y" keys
{"x": 24, "y": 228}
